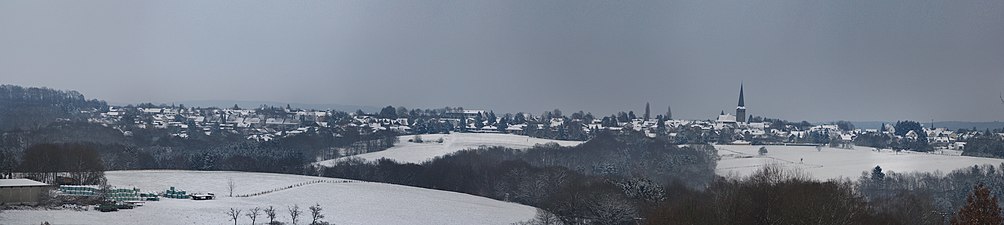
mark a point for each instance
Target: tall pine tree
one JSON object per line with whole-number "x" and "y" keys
{"x": 648, "y": 112}
{"x": 981, "y": 208}
{"x": 669, "y": 113}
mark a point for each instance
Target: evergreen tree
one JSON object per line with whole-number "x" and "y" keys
{"x": 648, "y": 112}
{"x": 519, "y": 118}
{"x": 660, "y": 128}
{"x": 463, "y": 122}
{"x": 669, "y": 113}
{"x": 388, "y": 112}
{"x": 503, "y": 124}
{"x": 623, "y": 117}
{"x": 491, "y": 118}
{"x": 981, "y": 208}
{"x": 877, "y": 174}
{"x": 479, "y": 121}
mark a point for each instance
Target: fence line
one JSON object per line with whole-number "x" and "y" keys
{"x": 293, "y": 186}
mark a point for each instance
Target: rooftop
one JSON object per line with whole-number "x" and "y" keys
{"x": 20, "y": 183}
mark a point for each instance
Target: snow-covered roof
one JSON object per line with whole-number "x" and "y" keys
{"x": 20, "y": 183}
{"x": 726, "y": 118}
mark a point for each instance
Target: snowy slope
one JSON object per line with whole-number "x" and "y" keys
{"x": 407, "y": 152}
{"x": 833, "y": 163}
{"x": 353, "y": 202}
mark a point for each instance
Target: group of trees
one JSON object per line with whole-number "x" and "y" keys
{"x": 62, "y": 164}
{"x": 776, "y": 196}
{"x": 898, "y": 140}
{"x": 611, "y": 179}
{"x": 928, "y": 198}
{"x": 985, "y": 145}
{"x": 294, "y": 212}
{"x": 920, "y": 143}
{"x": 27, "y": 108}
{"x": 157, "y": 149}
{"x": 770, "y": 196}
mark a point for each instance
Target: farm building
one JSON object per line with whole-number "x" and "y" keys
{"x": 22, "y": 191}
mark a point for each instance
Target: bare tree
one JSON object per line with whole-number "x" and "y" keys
{"x": 253, "y": 214}
{"x": 230, "y": 186}
{"x": 234, "y": 214}
{"x": 294, "y": 213}
{"x": 542, "y": 218}
{"x": 270, "y": 212}
{"x": 315, "y": 214}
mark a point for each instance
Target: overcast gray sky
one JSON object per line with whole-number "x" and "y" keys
{"x": 800, "y": 60}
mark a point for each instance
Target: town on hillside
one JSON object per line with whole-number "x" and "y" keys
{"x": 266, "y": 123}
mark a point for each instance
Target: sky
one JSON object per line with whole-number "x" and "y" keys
{"x": 799, "y": 60}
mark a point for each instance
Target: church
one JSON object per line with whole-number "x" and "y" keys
{"x": 740, "y": 116}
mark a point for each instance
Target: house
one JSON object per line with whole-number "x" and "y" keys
{"x": 957, "y": 146}
{"x": 912, "y": 135}
{"x": 22, "y": 191}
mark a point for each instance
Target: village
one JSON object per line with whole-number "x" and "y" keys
{"x": 266, "y": 123}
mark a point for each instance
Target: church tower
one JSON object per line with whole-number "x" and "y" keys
{"x": 741, "y": 109}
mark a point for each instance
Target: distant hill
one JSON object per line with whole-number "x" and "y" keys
{"x": 34, "y": 107}
{"x": 953, "y": 125}
{"x": 254, "y": 104}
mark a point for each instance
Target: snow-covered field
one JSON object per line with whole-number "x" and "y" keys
{"x": 833, "y": 162}
{"x": 354, "y": 202}
{"x": 408, "y": 152}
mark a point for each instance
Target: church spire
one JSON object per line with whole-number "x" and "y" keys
{"x": 741, "y": 109}
{"x": 741, "y": 101}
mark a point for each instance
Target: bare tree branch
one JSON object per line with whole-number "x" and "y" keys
{"x": 294, "y": 213}
{"x": 234, "y": 214}
{"x": 253, "y": 214}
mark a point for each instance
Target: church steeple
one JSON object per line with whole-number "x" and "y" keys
{"x": 741, "y": 109}
{"x": 742, "y": 102}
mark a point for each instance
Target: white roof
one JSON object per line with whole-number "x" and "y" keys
{"x": 20, "y": 183}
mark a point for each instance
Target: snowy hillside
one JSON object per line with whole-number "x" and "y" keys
{"x": 353, "y": 202}
{"x": 833, "y": 163}
{"x": 408, "y": 152}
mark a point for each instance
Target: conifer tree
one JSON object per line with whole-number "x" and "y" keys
{"x": 648, "y": 112}
{"x": 981, "y": 208}
{"x": 669, "y": 113}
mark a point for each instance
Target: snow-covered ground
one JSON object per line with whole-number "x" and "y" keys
{"x": 408, "y": 152}
{"x": 833, "y": 162}
{"x": 354, "y": 202}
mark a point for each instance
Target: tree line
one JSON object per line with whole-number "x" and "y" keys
{"x": 62, "y": 164}
{"x": 611, "y": 179}
{"x": 156, "y": 149}
{"x": 27, "y": 108}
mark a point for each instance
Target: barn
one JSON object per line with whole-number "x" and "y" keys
{"x": 22, "y": 191}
